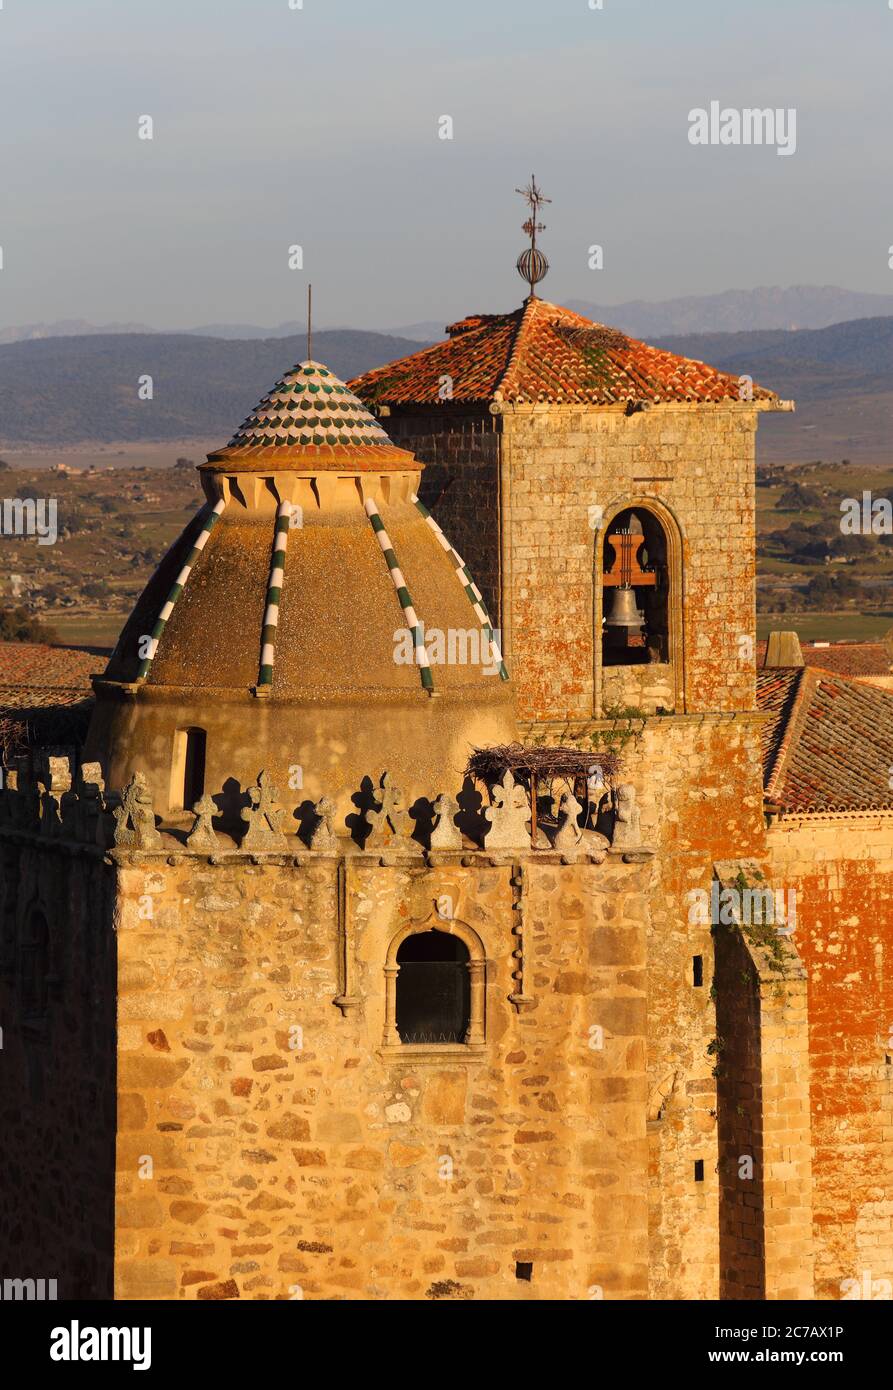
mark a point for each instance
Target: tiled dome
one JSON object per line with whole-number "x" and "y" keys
{"x": 312, "y": 605}
{"x": 309, "y": 405}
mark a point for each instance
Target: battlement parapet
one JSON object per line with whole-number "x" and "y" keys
{"x": 57, "y": 803}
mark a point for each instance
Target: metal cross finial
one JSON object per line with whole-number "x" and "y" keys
{"x": 532, "y": 264}
{"x": 535, "y": 198}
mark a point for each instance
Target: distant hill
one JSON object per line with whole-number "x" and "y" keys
{"x": 71, "y": 390}
{"x": 66, "y": 328}
{"x": 733, "y": 311}
{"x": 840, "y": 377}
{"x": 809, "y": 365}
{"x": 59, "y": 391}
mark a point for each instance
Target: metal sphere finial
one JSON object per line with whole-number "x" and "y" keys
{"x": 532, "y": 264}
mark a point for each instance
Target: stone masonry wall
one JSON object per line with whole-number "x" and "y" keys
{"x": 700, "y": 797}
{"x": 57, "y": 1072}
{"x": 335, "y": 1170}
{"x": 460, "y": 485}
{"x": 842, "y": 872}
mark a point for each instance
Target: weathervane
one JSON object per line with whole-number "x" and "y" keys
{"x": 532, "y": 264}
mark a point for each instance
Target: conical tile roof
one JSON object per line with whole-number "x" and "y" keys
{"x": 309, "y": 405}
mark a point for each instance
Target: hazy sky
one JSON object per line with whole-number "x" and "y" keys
{"x": 319, "y": 125}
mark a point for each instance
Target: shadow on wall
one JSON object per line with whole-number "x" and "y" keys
{"x": 742, "y": 1251}
{"x": 57, "y": 1073}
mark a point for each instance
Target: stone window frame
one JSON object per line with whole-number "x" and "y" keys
{"x": 476, "y": 1035}
{"x": 675, "y": 538}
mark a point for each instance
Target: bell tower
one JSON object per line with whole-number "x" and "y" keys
{"x": 604, "y": 491}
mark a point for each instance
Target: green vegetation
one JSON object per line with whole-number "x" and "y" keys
{"x": 812, "y": 577}
{"x": 18, "y": 625}
{"x": 114, "y": 526}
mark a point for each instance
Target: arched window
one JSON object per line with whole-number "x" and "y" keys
{"x": 35, "y": 966}
{"x": 433, "y": 992}
{"x": 188, "y": 769}
{"x": 635, "y": 590}
{"x": 435, "y": 987}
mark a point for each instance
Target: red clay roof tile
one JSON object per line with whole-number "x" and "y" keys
{"x": 543, "y": 352}
{"x": 829, "y": 744}
{"x": 843, "y": 658}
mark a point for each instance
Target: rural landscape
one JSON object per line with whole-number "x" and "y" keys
{"x": 122, "y": 468}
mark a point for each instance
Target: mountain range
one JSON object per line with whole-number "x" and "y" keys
{"x": 798, "y": 307}
{"x": 58, "y": 391}
{"x": 69, "y": 390}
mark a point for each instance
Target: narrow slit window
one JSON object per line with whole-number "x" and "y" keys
{"x": 35, "y": 966}
{"x": 699, "y": 1170}
{"x": 697, "y": 971}
{"x": 188, "y": 771}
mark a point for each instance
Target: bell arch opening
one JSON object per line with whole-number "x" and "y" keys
{"x": 636, "y": 590}
{"x": 637, "y": 608}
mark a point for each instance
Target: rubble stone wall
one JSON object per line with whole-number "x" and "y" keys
{"x": 292, "y": 1156}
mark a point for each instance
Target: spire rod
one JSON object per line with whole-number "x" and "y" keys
{"x": 309, "y": 323}
{"x": 532, "y": 264}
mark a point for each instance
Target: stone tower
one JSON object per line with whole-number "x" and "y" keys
{"x": 589, "y": 477}
{"x": 288, "y": 1011}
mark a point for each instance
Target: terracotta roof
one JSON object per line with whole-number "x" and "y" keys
{"x": 543, "y": 352}
{"x": 776, "y": 690}
{"x": 843, "y": 658}
{"x": 829, "y": 744}
{"x": 29, "y": 667}
{"x": 45, "y": 694}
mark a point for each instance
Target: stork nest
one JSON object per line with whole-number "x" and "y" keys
{"x": 599, "y": 338}
{"x": 489, "y": 765}
{"x": 22, "y": 730}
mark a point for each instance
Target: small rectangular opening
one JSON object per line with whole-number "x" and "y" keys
{"x": 697, "y": 971}
{"x": 699, "y": 1170}
{"x": 188, "y": 769}
{"x": 524, "y": 1270}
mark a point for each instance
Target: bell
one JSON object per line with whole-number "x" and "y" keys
{"x": 623, "y": 611}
